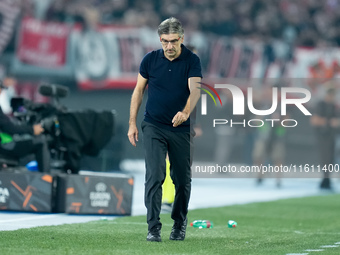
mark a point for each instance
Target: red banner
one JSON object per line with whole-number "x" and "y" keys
{"x": 43, "y": 43}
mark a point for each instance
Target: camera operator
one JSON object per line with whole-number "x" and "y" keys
{"x": 25, "y": 140}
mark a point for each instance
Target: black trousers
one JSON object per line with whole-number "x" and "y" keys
{"x": 158, "y": 142}
{"x": 326, "y": 144}
{"x": 27, "y": 145}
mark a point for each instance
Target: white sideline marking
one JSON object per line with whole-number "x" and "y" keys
{"x": 138, "y": 223}
{"x": 131, "y": 223}
{"x": 28, "y": 218}
{"x": 329, "y": 246}
{"x": 297, "y": 253}
{"x": 336, "y": 245}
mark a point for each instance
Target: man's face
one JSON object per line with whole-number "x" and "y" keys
{"x": 171, "y": 44}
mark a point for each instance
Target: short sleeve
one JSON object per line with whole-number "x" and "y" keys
{"x": 195, "y": 67}
{"x": 143, "y": 68}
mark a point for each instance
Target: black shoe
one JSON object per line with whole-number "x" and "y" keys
{"x": 325, "y": 184}
{"x": 154, "y": 235}
{"x": 178, "y": 231}
{"x": 259, "y": 181}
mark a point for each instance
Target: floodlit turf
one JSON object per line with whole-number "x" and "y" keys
{"x": 280, "y": 227}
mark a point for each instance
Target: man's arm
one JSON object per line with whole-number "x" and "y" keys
{"x": 136, "y": 101}
{"x": 195, "y": 93}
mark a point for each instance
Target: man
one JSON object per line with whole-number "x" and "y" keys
{"x": 326, "y": 122}
{"x": 20, "y": 146}
{"x": 168, "y": 187}
{"x": 173, "y": 75}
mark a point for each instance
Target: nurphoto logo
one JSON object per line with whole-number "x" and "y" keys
{"x": 239, "y": 105}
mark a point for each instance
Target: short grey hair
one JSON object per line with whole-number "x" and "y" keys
{"x": 171, "y": 26}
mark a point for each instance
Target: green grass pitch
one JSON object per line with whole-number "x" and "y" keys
{"x": 279, "y": 227}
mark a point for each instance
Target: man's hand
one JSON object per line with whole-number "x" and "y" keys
{"x": 133, "y": 134}
{"x": 37, "y": 129}
{"x": 179, "y": 118}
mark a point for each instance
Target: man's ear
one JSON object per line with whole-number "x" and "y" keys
{"x": 182, "y": 39}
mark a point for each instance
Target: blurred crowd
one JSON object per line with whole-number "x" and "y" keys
{"x": 308, "y": 23}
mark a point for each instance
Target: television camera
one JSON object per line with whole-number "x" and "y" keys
{"x": 71, "y": 134}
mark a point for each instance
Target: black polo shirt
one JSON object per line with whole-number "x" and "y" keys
{"x": 168, "y": 88}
